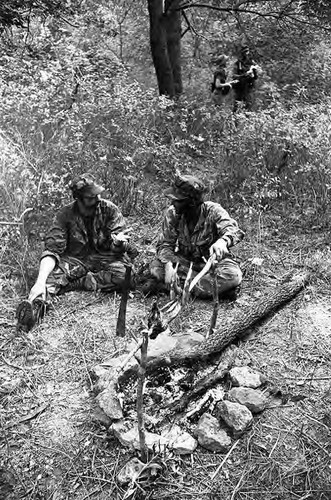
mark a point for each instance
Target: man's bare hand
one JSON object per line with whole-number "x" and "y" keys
{"x": 219, "y": 249}
{"x": 38, "y": 290}
{"x": 121, "y": 237}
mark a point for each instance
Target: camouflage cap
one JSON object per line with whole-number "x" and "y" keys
{"x": 186, "y": 187}
{"x": 85, "y": 185}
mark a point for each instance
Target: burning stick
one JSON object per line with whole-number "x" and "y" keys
{"x": 140, "y": 397}
{"x": 121, "y": 320}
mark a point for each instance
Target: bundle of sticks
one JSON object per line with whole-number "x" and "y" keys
{"x": 179, "y": 297}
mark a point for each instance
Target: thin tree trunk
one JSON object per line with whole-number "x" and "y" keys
{"x": 159, "y": 48}
{"x": 173, "y": 31}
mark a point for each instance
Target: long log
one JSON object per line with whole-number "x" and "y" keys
{"x": 236, "y": 329}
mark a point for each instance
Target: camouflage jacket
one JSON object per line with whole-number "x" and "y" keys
{"x": 68, "y": 234}
{"x": 214, "y": 223}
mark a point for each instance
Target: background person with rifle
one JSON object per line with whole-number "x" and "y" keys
{"x": 193, "y": 230}
{"x": 245, "y": 73}
{"x": 86, "y": 248}
{"x": 219, "y": 87}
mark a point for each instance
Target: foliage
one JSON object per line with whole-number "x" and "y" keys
{"x": 20, "y": 12}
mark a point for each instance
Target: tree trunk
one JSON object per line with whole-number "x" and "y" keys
{"x": 173, "y": 30}
{"x": 228, "y": 333}
{"x": 165, "y": 45}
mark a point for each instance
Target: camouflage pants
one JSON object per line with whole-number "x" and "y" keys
{"x": 228, "y": 275}
{"x": 107, "y": 270}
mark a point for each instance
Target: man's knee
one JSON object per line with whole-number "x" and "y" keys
{"x": 112, "y": 276}
{"x": 237, "y": 276}
{"x": 229, "y": 273}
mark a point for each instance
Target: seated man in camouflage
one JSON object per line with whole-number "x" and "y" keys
{"x": 192, "y": 231}
{"x": 85, "y": 249}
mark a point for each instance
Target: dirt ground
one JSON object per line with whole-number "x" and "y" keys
{"x": 54, "y": 445}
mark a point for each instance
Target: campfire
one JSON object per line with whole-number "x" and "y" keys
{"x": 171, "y": 392}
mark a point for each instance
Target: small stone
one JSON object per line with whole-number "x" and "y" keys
{"x": 129, "y": 437}
{"x": 255, "y": 400}
{"x": 101, "y": 377}
{"x": 101, "y": 418}
{"x": 245, "y": 376}
{"x": 187, "y": 340}
{"x": 162, "y": 345}
{"x": 130, "y": 472}
{"x": 238, "y": 417}
{"x": 109, "y": 402}
{"x": 211, "y": 436}
{"x": 180, "y": 441}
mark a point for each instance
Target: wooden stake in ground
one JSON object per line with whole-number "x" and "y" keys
{"x": 140, "y": 397}
{"x": 121, "y": 320}
{"x": 216, "y": 300}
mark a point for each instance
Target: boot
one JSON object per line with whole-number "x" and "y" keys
{"x": 87, "y": 283}
{"x": 231, "y": 295}
{"x": 28, "y": 314}
{"x": 152, "y": 287}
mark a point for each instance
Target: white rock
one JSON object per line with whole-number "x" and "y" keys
{"x": 236, "y": 416}
{"x": 130, "y": 472}
{"x": 101, "y": 377}
{"x": 130, "y": 438}
{"x": 245, "y": 376}
{"x": 180, "y": 441}
{"x": 160, "y": 346}
{"x": 255, "y": 400}
{"x": 210, "y": 434}
{"x": 187, "y": 339}
{"x": 109, "y": 402}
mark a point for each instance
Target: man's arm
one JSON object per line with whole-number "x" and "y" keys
{"x": 55, "y": 246}
{"x": 56, "y": 237}
{"x": 47, "y": 264}
{"x": 113, "y": 224}
{"x": 227, "y": 231}
{"x": 166, "y": 244}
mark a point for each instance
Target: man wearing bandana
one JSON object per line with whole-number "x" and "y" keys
{"x": 192, "y": 231}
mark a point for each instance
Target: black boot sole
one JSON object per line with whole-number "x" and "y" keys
{"x": 25, "y": 316}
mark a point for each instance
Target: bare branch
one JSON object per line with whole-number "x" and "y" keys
{"x": 285, "y": 12}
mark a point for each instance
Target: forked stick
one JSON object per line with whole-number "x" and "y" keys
{"x": 203, "y": 271}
